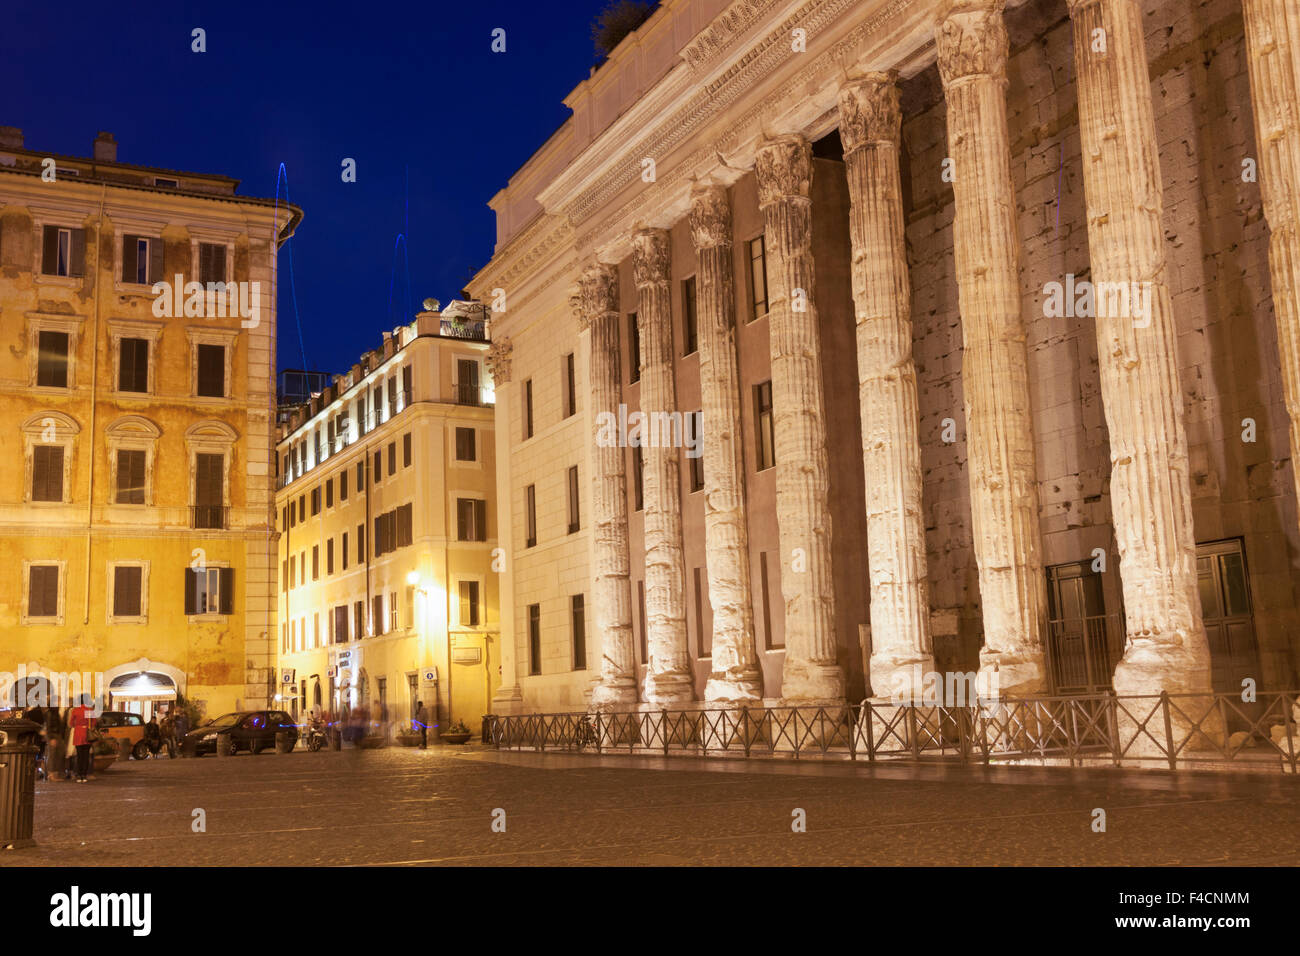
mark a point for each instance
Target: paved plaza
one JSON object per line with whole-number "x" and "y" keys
{"x": 436, "y": 807}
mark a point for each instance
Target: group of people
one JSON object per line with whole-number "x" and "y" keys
{"x": 64, "y": 739}
{"x": 355, "y": 723}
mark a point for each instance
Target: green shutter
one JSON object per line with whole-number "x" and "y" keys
{"x": 77, "y": 267}
{"x": 128, "y": 258}
{"x": 155, "y": 260}
{"x": 50, "y": 250}
{"x": 227, "y": 590}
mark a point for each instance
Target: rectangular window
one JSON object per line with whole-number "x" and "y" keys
{"x": 377, "y": 405}
{"x": 575, "y": 514}
{"x": 578, "y": 616}
{"x": 530, "y": 516}
{"x": 343, "y": 485}
{"x": 315, "y": 562}
{"x": 133, "y": 365}
{"x": 695, "y": 449}
{"x": 377, "y": 615}
{"x": 640, "y": 598}
{"x": 209, "y": 481}
{"x": 52, "y": 359}
{"x": 315, "y": 502}
{"x": 404, "y": 529}
{"x": 528, "y": 409}
{"x": 302, "y": 508}
{"x": 534, "y": 639}
{"x": 47, "y": 473}
{"x": 757, "y": 279}
{"x": 359, "y": 620}
{"x": 392, "y": 458}
{"x": 329, "y": 556}
{"x": 361, "y": 543}
{"x": 212, "y": 262}
{"x": 392, "y": 395}
{"x": 393, "y": 622}
{"x": 570, "y": 386}
{"x": 343, "y": 550}
{"x": 467, "y": 387}
{"x": 471, "y": 519}
{"x": 406, "y": 386}
{"x": 466, "y": 449}
{"x": 379, "y": 466}
{"x": 209, "y": 590}
{"x": 341, "y": 624}
{"x": 765, "y": 595}
{"x": 703, "y": 649}
{"x": 362, "y": 425}
{"x": 126, "y": 591}
{"x": 130, "y": 476}
{"x": 142, "y": 259}
{"x": 212, "y": 371}
{"x": 638, "y": 476}
{"x": 293, "y": 570}
{"x": 690, "y": 325}
{"x": 43, "y": 590}
{"x": 329, "y": 493}
{"x": 765, "y": 447}
{"x": 406, "y": 450}
{"x": 634, "y": 349}
{"x": 469, "y": 604}
{"x": 63, "y": 251}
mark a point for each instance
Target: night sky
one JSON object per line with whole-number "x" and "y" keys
{"x": 411, "y": 91}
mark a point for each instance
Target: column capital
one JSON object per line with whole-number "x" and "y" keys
{"x": 783, "y": 168}
{"x": 651, "y": 256}
{"x": 598, "y": 290}
{"x": 575, "y": 307}
{"x": 710, "y": 217}
{"x": 972, "y": 40}
{"x": 498, "y": 360}
{"x": 1077, "y": 6}
{"x": 869, "y": 111}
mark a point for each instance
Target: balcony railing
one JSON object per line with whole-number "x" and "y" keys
{"x": 468, "y": 393}
{"x": 474, "y": 331}
{"x": 209, "y": 517}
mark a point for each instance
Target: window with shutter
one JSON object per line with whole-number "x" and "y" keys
{"x": 361, "y": 543}
{"x": 343, "y": 486}
{"x": 406, "y": 450}
{"x": 465, "y": 444}
{"x": 133, "y": 365}
{"x": 578, "y": 615}
{"x": 63, "y": 251}
{"x": 227, "y": 592}
{"x": 141, "y": 259}
{"x": 315, "y": 562}
{"x": 329, "y": 556}
{"x": 404, "y": 529}
{"x": 358, "y": 620}
{"x": 343, "y": 548}
{"x": 212, "y": 371}
{"x": 43, "y": 590}
{"x": 47, "y": 473}
{"x": 377, "y": 612}
{"x": 208, "y": 490}
{"x": 406, "y": 386}
{"x": 468, "y": 603}
{"x": 130, "y": 476}
{"x": 315, "y": 502}
{"x": 127, "y": 590}
{"x": 212, "y": 262}
{"x": 392, "y": 457}
{"x": 52, "y": 359}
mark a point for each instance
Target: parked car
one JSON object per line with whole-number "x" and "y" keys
{"x": 249, "y": 730}
{"x": 121, "y": 725}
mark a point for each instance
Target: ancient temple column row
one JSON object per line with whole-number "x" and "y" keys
{"x": 972, "y": 52}
{"x": 870, "y": 131}
{"x": 611, "y": 572}
{"x": 735, "y": 672}
{"x": 1150, "y": 492}
{"x": 669, "y": 679}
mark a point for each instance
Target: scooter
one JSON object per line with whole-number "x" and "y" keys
{"x": 316, "y": 738}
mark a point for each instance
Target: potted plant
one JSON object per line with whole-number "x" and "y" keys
{"x": 103, "y": 753}
{"x": 457, "y": 733}
{"x": 408, "y": 736}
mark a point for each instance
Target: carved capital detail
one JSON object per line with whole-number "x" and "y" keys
{"x": 651, "y": 256}
{"x": 783, "y": 168}
{"x": 498, "y": 360}
{"x": 972, "y": 40}
{"x": 710, "y": 217}
{"x": 869, "y": 111}
{"x": 575, "y": 307}
{"x": 599, "y": 290}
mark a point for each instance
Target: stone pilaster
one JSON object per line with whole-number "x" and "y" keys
{"x": 669, "y": 679}
{"x": 611, "y": 574}
{"x": 507, "y": 699}
{"x": 972, "y": 48}
{"x": 735, "y": 674}
{"x": 901, "y": 649}
{"x": 1150, "y": 494}
{"x": 783, "y": 169}
{"x": 1273, "y": 55}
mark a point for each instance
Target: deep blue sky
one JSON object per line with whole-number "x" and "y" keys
{"x": 397, "y": 86}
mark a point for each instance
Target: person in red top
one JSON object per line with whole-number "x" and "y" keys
{"x": 80, "y": 726}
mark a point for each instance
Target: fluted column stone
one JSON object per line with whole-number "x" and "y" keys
{"x": 972, "y": 52}
{"x": 870, "y": 130}
{"x": 611, "y": 574}
{"x": 669, "y": 679}
{"x": 783, "y": 170}
{"x": 1150, "y": 491}
{"x": 735, "y": 673}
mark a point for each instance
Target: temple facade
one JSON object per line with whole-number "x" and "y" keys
{"x": 839, "y": 343}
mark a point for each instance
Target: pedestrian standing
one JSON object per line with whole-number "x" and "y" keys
{"x": 56, "y": 731}
{"x": 422, "y": 721}
{"x": 168, "y": 728}
{"x": 81, "y": 726}
{"x": 37, "y": 715}
{"x": 182, "y": 723}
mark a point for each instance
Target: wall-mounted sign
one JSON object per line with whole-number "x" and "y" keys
{"x": 332, "y": 672}
{"x": 430, "y": 675}
{"x": 466, "y": 655}
{"x": 286, "y": 675}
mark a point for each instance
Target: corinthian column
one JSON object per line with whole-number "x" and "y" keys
{"x": 611, "y": 579}
{"x": 1273, "y": 56}
{"x": 870, "y": 129}
{"x": 1150, "y": 495}
{"x": 669, "y": 678}
{"x": 972, "y": 42}
{"x": 783, "y": 169}
{"x": 735, "y": 674}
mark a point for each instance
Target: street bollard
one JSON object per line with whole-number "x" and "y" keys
{"x": 284, "y": 741}
{"x": 17, "y": 782}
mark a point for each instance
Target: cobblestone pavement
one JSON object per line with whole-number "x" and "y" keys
{"x": 435, "y": 807}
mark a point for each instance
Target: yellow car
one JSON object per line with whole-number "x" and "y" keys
{"x": 120, "y": 725}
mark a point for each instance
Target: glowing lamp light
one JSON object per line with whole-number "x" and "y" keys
{"x": 413, "y": 578}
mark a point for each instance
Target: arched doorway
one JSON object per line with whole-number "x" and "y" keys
{"x": 140, "y": 692}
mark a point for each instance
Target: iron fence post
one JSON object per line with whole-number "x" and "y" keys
{"x": 871, "y": 733}
{"x": 744, "y": 728}
{"x": 854, "y": 715}
{"x": 599, "y": 734}
{"x": 663, "y": 728}
{"x": 963, "y": 743}
{"x": 912, "y": 735}
{"x": 1169, "y": 730}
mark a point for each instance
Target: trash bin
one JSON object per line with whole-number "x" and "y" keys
{"x": 223, "y": 745}
{"x": 18, "y": 752}
{"x": 284, "y": 741}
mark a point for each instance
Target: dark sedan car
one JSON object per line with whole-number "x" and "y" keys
{"x": 251, "y": 730}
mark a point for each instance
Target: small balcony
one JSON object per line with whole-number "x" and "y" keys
{"x": 208, "y": 517}
{"x": 468, "y": 393}
{"x": 473, "y": 331}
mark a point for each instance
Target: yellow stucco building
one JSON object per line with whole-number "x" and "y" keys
{"x": 388, "y": 556}
{"x": 137, "y": 412}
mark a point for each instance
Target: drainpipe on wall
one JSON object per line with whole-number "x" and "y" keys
{"x": 94, "y": 405}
